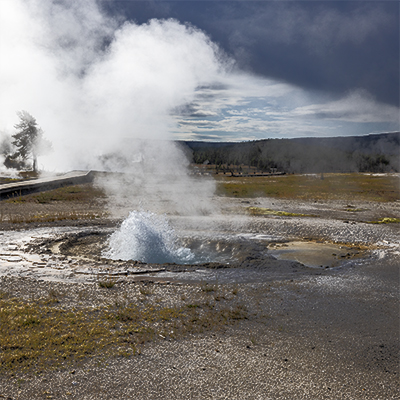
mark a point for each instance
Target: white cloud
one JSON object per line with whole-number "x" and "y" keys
{"x": 197, "y": 123}
{"x": 293, "y": 114}
{"x": 204, "y": 113}
{"x": 358, "y": 107}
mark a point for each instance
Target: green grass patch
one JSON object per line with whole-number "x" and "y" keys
{"x": 354, "y": 186}
{"x": 4, "y": 180}
{"x": 41, "y": 335}
{"x": 385, "y": 221}
{"x": 22, "y": 176}
{"x": 259, "y": 211}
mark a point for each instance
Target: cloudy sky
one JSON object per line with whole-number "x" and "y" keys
{"x": 301, "y": 68}
{"x": 93, "y": 71}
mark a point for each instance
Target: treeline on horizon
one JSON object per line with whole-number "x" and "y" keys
{"x": 370, "y": 153}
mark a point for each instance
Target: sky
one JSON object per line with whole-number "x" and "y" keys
{"x": 94, "y": 73}
{"x": 300, "y": 68}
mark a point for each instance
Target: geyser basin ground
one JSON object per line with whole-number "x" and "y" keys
{"x": 228, "y": 247}
{"x": 68, "y": 254}
{"x": 315, "y": 333}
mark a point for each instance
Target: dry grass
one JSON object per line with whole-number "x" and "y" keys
{"x": 80, "y": 193}
{"x": 78, "y": 202}
{"x": 8, "y": 180}
{"x": 21, "y": 176}
{"x": 355, "y": 186}
{"x": 49, "y": 217}
{"x": 39, "y": 335}
{"x": 107, "y": 283}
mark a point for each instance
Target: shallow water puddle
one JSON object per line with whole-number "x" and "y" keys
{"x": 315, "y": 254}
{"x": 10, "y": 258}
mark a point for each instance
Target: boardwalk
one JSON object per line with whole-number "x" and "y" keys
{"x": 34, "y": 185}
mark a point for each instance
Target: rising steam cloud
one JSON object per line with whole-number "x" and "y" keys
{"x": 98, "y": 86}
{"x": 90, "y": 82}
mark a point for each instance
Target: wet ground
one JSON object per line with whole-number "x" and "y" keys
{"x": 229, "y": 247}
{"x": 323, "y": 294}
{"x": 77, "y": 255}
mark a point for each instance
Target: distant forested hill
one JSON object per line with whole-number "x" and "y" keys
{"x": 370, "y": 153}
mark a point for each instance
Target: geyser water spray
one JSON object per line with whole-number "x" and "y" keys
{"x": 147, "y": 237}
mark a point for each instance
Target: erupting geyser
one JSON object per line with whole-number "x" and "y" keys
{"x": 147, "y": 237}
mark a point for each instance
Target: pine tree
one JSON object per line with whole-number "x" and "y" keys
{"x": 28, "y": 140}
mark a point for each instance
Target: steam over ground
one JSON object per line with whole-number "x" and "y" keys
{"x": 109, "y": 94}
{"x": 97, "y": 85}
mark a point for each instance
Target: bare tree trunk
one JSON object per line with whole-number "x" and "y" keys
{"x": 34, "y": 164}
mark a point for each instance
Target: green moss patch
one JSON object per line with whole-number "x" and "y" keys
{"x": 385, "y": 221}
{"x": 259, "y": 211}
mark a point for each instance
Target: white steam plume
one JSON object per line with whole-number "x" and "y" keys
{"x": 95, "y": 85}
